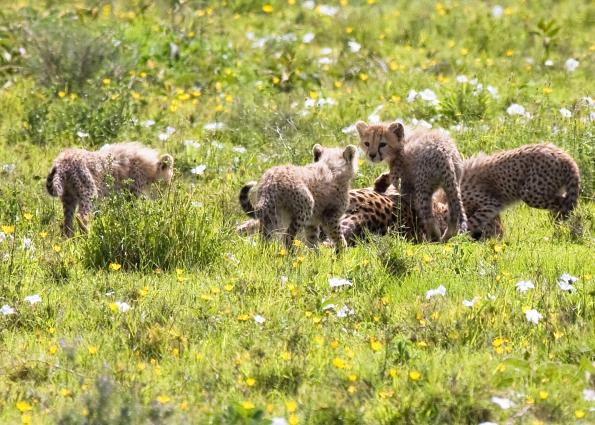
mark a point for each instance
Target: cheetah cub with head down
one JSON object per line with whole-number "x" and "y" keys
{"x": 78, "y": 176}
{"x": 307, "y": 197}
{"x": 542, "y": 175}
{"x": 422, "y": 161}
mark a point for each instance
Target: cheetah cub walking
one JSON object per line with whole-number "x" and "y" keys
{"x": 423, "y": 161}
{"x": 78, "y": 176}
{"x": 542, "y": 175}
{"x": 308, "y": 196}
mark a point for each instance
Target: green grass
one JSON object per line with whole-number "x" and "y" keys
{"x": 189, "y": 349}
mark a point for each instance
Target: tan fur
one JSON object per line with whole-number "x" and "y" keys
{"x": 542, "y": 175}
{"x": 307, "y": 197}
{"x": 78, "y": 176}
{"x": 420, "y": 161}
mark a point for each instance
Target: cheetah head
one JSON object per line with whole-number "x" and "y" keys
{"x": 380, "y": 141}
{"x": 165, "y": 168}
{"x": 340, "y": 160}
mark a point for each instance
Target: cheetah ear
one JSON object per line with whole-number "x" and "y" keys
{"x": 397, "y": 129}
{"x": 349, "y": 153}
{"x": 317, "y": 152}
{"x": 361, "y": 128}
{"x": 166, "y": 161}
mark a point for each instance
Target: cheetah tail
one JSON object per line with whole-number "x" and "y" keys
{"x": 245, "y": 199}
{"x": 53, "y": 183}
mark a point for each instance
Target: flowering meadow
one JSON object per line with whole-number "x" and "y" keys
{"x": 161, "y": 314}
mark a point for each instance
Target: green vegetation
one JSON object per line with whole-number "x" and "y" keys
{"x": 161, "y": 314}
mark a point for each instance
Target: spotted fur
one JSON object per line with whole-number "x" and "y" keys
{"x": 78, "y": 176}
{"x": 420, "y": 161}
{"x": 542, "y": 175}
{"x": 307, "y": 197}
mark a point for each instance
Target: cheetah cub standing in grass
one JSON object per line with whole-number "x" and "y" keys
{"x": 308, "y": 196}
{"x": 542, "y": 175}
{"x": 78, "y": 176}
{"x": 423, "y": 161}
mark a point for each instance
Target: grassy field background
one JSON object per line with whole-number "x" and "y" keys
{"x": 163, "y": 315}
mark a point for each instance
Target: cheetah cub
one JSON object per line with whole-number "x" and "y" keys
{"x": 542, "y": 175}
{"x": 423, "y": 161}
{"x": 78, "y": 176}
{"x": 307, "y": 197}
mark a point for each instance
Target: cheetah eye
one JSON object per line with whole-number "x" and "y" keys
{"x": 381, "y": 145}
{"x": 367, "y": 144}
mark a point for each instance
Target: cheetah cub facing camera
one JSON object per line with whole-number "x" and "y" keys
{"x": 542, "y": 175}
{"x": 78, "y": 176}
{"x": 423, "y": 161}
{"x": 307, "y": 197}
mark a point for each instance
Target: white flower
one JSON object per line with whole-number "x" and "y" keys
{"x": 428, "y": 96}
{"x": 470, "y": 303}
{"x": 191, "y": 143}
{"x": 309, "y": 102}
{"x": 336, "y": 282}
{"x": 308, "y": 37}
{"x": 374, "y": 118}
{"x": 325, "y": 61}
{"x": 549, "y": 62}
{"x": 345, "y": 311}
{"x": 33, "y": 299}
{"x": 533, "y": 316}
{"x": 529, "y": 60}
{"x": 493, "y": 91}
{"x": 462, "y": 79}
{"x": 515, "y": 109}
{"x": 2, "y": 237}
{"x": 196, "y": 204}
{"x": 217, "y": 145}
{"x": 565, "y": 113}
{"x": 592, "y": 116}
{"x": 163, "y": 137}
{"x": 27, "y": 243}
{"x": 488, "y": 423}
{"x": 504, "y": 403}
{"x": 354, "y": 46}
{"x": 9, "y": 168}
{"x": 326, "y": 101}
{"x": 323, "y": 9}
{"x": 309, "y": 4}
{"x": 497, "y": 11}
{"x": 524, "y": 286}
{"x": 571, "y": 64}
{"x": 279, "y": 421}
{"x": 239, "y": 149}
{"x": 123, "y": 307}
{"x": 7, "y": 310}
{"x": 199, "y": 170}
{"x": 441, "y": 290}
{"x": 588, "y": 394}
{"x": 214, "y": 126}
{"x": 170, "y": 130}
{"x": 565, "y": 282}
{"x": 349, "y": 129}
{"x": 411, "y": 96}
{"x": 284, "y": 281}
{"x": 326, "y": 51}
{"x": 82, "y": 134}
{"x": 259, "y": 319}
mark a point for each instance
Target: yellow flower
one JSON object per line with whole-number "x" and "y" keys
{"x": 106, "y": 81}
{"x": 352, "y": 377}
{"x": 291, "y": 2}
{"x": 276, "y": 80}
{"x": 43, "y": 234}
{"x": 426, "y": 258}
{"x": 267, "y": 8}
{"x": 414, "y": 375}
{"x": 509, "y": 53}
{"x": 543, "y": 395}
{"x": 243, "y": 317}
{"x": 248, "y": 405}
{"x": 65, "y": 392}
{"x": 114, "y": 267}
{"x": 291, "y": 406}
{"x": 547, "y": 90}
{"x": 282, "y": 252}
{"x": 26, "y": 419}
{"x": 183, "y": 405}
{"x": 163, "y": 399}
{"x": 334, "y": 344}
{"x": 339, "y": 363}
{"x": 579, "y": 413}
{"x": 53, "y": 349}
{"x": 501, "y": 367}
{"x": 348, "y": 30}
{"x": 363, "y": 76}
{"x": 92, "y": 349}
{"x": 143, "y": 292}
{"x": 23, "y": 406}
{"x": 28, "y": 216}
{"x": 56, "y": 248}
{"x": 61, "y": 93}
{"x": 285, "y": 355}
{"x": 293, "y": 420}
{"x": 338, "y": 84}
{"x": 392, "y": 372}
{"x": 141, "y": 366}
{"x": 250, "y": 382}
{"x": 464, "y": 51}
{"x": 8, "y": 229}
{"x": 375, "y": 345}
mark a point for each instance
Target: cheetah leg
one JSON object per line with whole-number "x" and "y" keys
{"x": 268, "y": 223}
{"x": 457, "y": 221}
{"x": 294, "y": 227}
{"x": 85, "y": 209}
{"x": 69, "y": 207}
{"x": 483, "y": 218}
{"x": 312, "y": 235}
{"x": 332, "y": 228}
{"x": 424, "y": 208}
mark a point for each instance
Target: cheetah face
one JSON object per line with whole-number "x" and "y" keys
{"x": 379, "y": 141}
